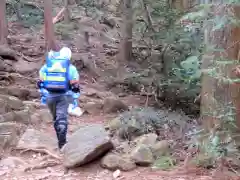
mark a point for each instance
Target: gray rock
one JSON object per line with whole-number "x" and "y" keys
{"x": 93, "y": 107}
{"x": 147, "y": 139}
{"x": 45, "y": 116}
{"x": 114, "y": 105}
{"x": 161, "y": 148}
{"x": 12, "y": 102}
{"x": 136, "y": 122}
{"x": 12, "y": 162}
{"x": 85, "y": 145}
{"x": 116, "y": 161}
{"x": 22, "y": 117}
{"x": 35, "y": 139}
{"x": 9, "y": 134}
{"x": 142, "y": 155}
{"x": 4, "y": 107}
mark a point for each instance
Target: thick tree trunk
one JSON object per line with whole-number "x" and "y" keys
{"x": 3, "y": 22}
{"x": 49, "y": 29}
{"x": 218, "y": 97}
{"x": 125, "y": 52}
{"x": 234, "y": 53}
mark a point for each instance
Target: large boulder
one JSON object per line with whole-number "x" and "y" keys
{"x": 85, "y": 145}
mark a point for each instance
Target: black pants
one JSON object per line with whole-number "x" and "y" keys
{"x": 59, "y": 109}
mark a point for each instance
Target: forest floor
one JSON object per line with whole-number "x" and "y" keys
{"x": 93, "y": 171}
{"x": 29, "y": 49}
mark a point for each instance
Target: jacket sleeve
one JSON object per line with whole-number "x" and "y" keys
{"x": 42, "y": 72}
{"x": 73, "y": 74}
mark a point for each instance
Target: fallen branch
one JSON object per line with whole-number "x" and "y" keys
{"x": 42, "y": 165}
{"x": 28, "y": 59}
{"x": 59, "y": 16}
{"x": 34, "y": 5}
{"x": 45, "y": 151}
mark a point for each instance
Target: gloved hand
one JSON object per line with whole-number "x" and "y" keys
{"x": 39, "y": 84}
{"x": 75, "y": 87}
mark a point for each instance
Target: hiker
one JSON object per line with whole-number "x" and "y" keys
{"x": 58, "y": 77}
{"x": 73, "y": 108}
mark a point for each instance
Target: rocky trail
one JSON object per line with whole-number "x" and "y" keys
{"x": 30, "y": 144}
{"x": 118, "y": 137}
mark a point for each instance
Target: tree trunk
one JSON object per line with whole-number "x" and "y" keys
{"x": 234, "y": 53}
{"x": 17, "y": 7}
{"x": 218, "y": 97}
{"x": 125, "y": 52}
{"x": 49, "y": 29}
{"x": 66, "y": 12}
{"x": 3, "y": 23}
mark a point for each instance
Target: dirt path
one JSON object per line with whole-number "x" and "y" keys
{"x": 93, "y": 171}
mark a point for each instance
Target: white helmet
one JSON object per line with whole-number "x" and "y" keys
{"x": 66, "y": 52}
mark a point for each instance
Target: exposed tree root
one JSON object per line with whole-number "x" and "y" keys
{"x": 7, "y": 53}
{"x": 45, "y": 151}
{"x": 42, "y": 165}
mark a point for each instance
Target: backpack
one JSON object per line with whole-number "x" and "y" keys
{"x": 56, "y": 75}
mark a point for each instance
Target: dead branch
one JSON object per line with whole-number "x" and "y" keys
{"x": 34, "y": 5}
{"x": 45, "y": 151}
{"x": 42, "y": 165}
{"x": 28, "y": 59}
{"x": 148, "y": 16}
{"x": 59, "y": 16}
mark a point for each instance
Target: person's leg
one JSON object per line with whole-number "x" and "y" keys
{"x": 52, "y": 103}
{"x": 61, "y": 122}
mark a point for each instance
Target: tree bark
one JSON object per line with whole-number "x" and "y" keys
{"x": 125, "y": 52}
{"x": 234, "y": 53}
{"x": 3, "y": 23}
{"x": 217, "y": 96}
{"x": 49, "y": 29}
{"x": 66, "y": 12}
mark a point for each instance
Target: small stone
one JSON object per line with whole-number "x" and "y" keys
{"x": 116, "y": 174}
